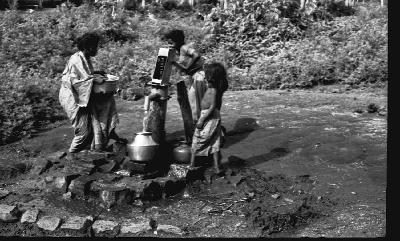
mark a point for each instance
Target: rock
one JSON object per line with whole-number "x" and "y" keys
{"x": 134, "y": 228}
{"x": 61, "y": 183}
{"x": 178, "y": 171}
{"x": 137, "y": 186}
{"x": 275, "y": 196}
{"x": 3, "y": 193}
{"x": 30, "y": 216}
{"x": 186, "y": 173}
{"x": 49, "y": 223}
{"x": 111, "y": 193}
{"x": 124, "y": 173}
{"x": 170, "y": 229}
{"x": 81, "y": 186}
{"x": 372, "y": 108}
{"x": 39, "y": 166}
{"x": 67, "y": 196}
{"x": 76, "y": 223}
{"x": 104, "y": 226}
{"x": 8, "y": 213}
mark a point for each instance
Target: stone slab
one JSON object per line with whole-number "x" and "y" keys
{"x": 186, "y": 173}
{"x": 61, "y": 182}
{"x": 30, "y": 216}
{"x": 129, "y": 227}
{"x": 49, "y": 223}
{"x": 170, "y": 229}
{"x": 102, "y": 226}
{"x": 77, "y": 223}
{"x": 8, "y": 213}
{"x": 81, "y": 186}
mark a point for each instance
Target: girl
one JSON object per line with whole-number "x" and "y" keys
{"x": 208, "y": 132}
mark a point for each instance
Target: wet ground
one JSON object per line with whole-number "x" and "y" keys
{"x": 311, "y": 164}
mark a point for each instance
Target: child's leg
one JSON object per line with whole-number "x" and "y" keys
{"x": 192, "y": 158}
{"x": 217, "y": 161}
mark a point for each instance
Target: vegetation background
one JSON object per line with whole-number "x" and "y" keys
{"x": 265, "y": 44}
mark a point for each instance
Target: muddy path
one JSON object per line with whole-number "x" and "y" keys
{"x": 323, "y": 151}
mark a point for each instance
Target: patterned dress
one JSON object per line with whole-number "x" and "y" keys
{"x": 93, "y": 116}
{"x": 207, "y": 141}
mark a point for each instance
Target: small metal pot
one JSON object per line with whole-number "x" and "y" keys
{"x": 182, "y": 153}
{"x": 143, "y": 148}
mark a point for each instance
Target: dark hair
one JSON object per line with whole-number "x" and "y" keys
{"x": 88, "y": 40}
{"x": 175, "y": 35}
{"x": 215, "y": 73}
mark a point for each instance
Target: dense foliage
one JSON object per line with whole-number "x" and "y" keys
{"x": 268, "y": 44}
{"x": 264, "y": 44}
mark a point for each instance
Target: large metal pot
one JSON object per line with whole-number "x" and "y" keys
{"x": 143, "y": 147}
{"x": 182, "y": 153}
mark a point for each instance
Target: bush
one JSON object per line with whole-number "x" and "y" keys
{"x": 170, "y": 5}
{"x": 204, "y": 8}
{"x": 209, "y": 2}
{"x": 347, "y": 50}
{"x": 185, "y": 7}
{"x": 339, "y": 9}
{"x": 27, "y": 104}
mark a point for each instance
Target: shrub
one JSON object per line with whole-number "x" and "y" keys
{"x": 339, "y": 9}
{"x": 27, "y": 104}
{"x": 185, "y": 7}
{"x": 170, "y": 5}
{"x": 210, "y": 2}
{"x": 348, "y": 50}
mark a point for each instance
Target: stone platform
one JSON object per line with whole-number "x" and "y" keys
{"x": 112, "y": 177}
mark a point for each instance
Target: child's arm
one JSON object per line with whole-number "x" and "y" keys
{"x": 213, "y": 105}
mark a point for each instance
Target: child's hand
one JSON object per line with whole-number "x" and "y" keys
{"x": 200, "y": 124}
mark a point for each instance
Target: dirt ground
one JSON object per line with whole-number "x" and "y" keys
{"x": 326, "y": 147}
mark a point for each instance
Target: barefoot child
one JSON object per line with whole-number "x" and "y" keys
{"x": 207, "y": 135}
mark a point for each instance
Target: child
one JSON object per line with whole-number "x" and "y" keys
{"x": 208, "y": 132}
{"x": 190, "y": 62}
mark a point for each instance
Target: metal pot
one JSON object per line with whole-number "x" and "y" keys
{"x": 182, "y": 153}
{"x": 143, "y": 147}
